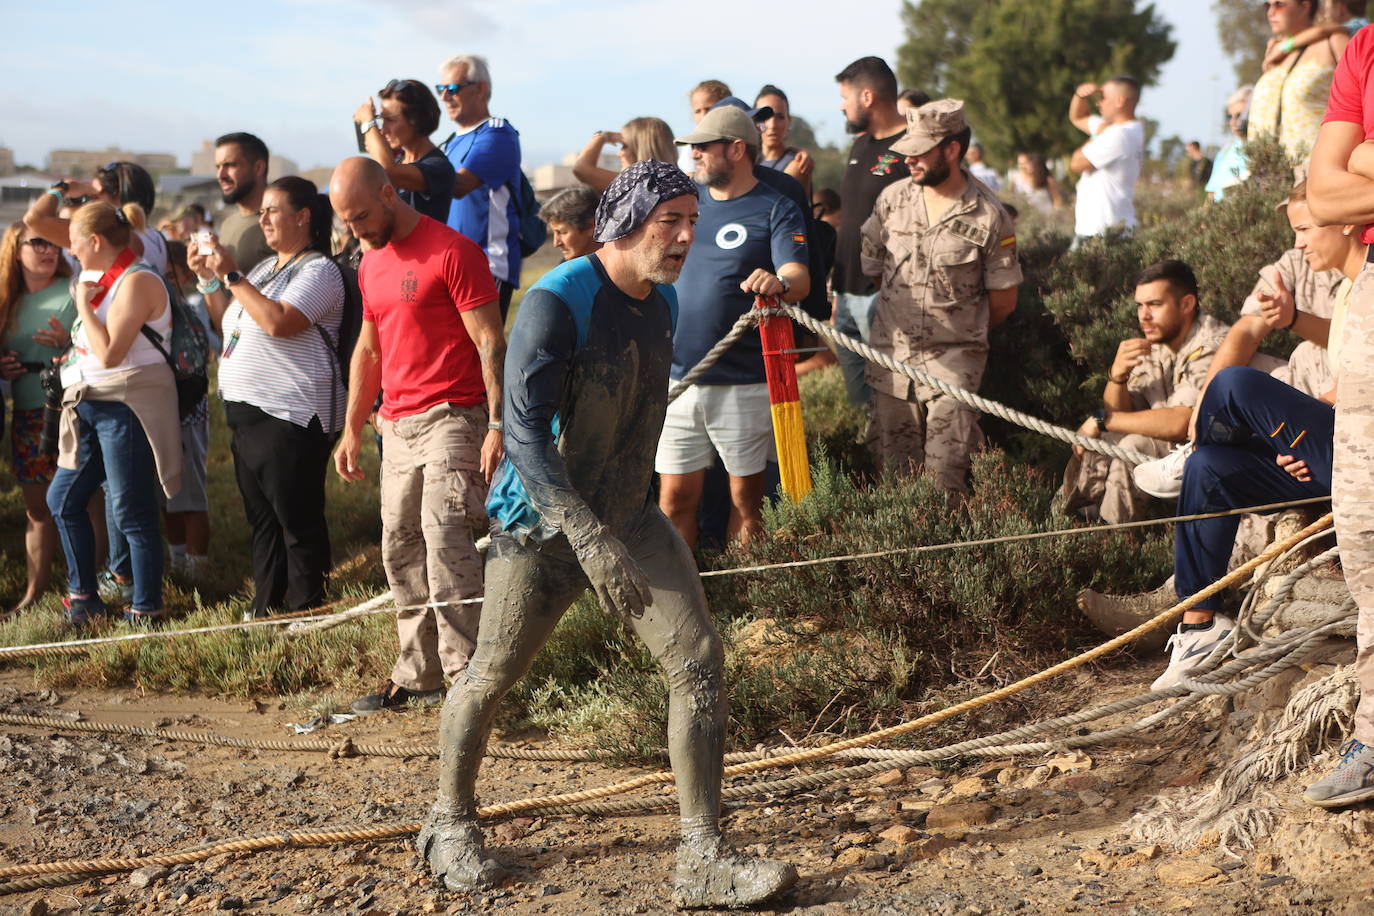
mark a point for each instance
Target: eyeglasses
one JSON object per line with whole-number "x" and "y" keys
{"x": 39, "y": 244}
{"x": 444, "y": 89}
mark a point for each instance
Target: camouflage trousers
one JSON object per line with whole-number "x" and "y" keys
{"x": 938, "y": 436}
{"x": 1352, "y": 486}
{"x": 1106, "y": 483}
{"x": 432, "y": 497}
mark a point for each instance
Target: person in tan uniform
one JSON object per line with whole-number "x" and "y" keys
{"x": 1152, "y": 386}
{"x": 943, "y": 251}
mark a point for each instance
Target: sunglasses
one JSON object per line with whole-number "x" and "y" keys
{"x": 1276, "y": 5}
{"x": 708, "y": 143}
{"x": 444, "y": 89}
{"x": 39, "y": 244}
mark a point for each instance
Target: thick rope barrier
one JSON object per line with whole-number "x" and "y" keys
{"x": 1302, "y": 645}
{"x": 962, "y": 395}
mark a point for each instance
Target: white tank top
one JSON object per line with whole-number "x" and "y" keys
{"x": 141, "y": 352}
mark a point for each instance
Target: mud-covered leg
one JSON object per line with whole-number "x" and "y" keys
{"x": 678, "y": 630}
{"x": 526, "y": 594}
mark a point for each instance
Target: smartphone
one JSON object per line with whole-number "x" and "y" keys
{"x": 205, "y": 242}
{"x": 358, "y": 135}
{"x": 90, "y": 276}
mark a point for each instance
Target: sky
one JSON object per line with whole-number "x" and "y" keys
{"x": 293, "y": 71}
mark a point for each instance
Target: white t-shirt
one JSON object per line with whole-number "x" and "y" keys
{"x": 291, "y": 378}
{"x": 1106, "y": 195}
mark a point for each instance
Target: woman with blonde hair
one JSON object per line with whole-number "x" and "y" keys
{"x": 36, "y": 314}
{"x": 640, "y": 139}
{"x": 119, "y": 419}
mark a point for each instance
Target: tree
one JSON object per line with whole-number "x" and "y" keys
{"x": 1016, "y": 64}
{"x": 937, "y": 32}
{"x": 1244, "y": 33}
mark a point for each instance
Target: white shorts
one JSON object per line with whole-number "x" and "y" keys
{"x": 733, "y": 421}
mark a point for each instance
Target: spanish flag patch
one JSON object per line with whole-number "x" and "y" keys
{"x": 799, "y": 239}
{"x": 1008, "y": 241}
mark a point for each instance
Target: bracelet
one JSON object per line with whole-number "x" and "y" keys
{"x": 56, "y": 192}
{"x": 1286, "y": 45}
{"x": 1119, "y": 381}
{"x": 1289, "y": 325}
{"x": 496, "y": 425}
{"x": 206, "y": 287}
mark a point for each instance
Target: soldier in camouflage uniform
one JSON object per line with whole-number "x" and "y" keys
{"x": 1152, "y": 387}
{"x": 943, "y": 250}
{"x": 1342, "y": 192}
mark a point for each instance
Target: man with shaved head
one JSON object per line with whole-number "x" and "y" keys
{"x": 432, "y": 340}
{"x": 572, "y": 508}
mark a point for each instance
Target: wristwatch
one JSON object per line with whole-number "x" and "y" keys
{"x": 1100, "y": 415}
{"x": 232, "y": 277}
{"x": 786, "y": 287}
{"x": 60, "y": 185}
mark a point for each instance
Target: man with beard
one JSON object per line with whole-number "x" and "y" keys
{"x": 753, "y": 244}
{"x": 241, "y": 169}
{"x": 1152, "y": 386}
{"x": 572, "y": 508}
{"x": 868, "y": 96}
{"x": 942, "y": 250}
{"x": 432, "y": 339}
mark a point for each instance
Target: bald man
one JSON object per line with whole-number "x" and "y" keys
{"x": 573, "y": 509}
{"x": 432, "y": 340}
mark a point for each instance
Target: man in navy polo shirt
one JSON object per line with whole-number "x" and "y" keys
{"x": 485, "y": 152}
{"x": 751, "y": 241}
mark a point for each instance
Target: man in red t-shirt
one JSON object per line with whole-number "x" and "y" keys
{"x": 432, "y": 341}
{"x": 1340, "y": 190}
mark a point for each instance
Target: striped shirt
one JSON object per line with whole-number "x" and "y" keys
{"x": 291, "y": 378}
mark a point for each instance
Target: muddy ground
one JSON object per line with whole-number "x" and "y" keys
{"x": 1041, "y": 835}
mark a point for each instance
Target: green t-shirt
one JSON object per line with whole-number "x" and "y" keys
{"x": 53, "y": 301}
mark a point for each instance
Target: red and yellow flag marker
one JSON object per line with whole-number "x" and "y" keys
{"x": 789, "y": 434}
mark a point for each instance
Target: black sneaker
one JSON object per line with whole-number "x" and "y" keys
{"x": 392, "y": 696}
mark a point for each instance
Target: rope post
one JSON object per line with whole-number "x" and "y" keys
{"x": 784, "y": 398}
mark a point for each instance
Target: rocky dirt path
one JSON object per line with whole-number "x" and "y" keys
{"x": 1043, "y": 835}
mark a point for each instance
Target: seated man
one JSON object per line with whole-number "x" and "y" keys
{"x": 1298, "y": 292}
{"x": 1259, "y": 441}
{"x": 1152, "y": 387}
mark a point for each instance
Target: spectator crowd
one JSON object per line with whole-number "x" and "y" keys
{"x": 383, "y": 300}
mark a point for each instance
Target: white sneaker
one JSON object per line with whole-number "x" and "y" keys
{"x": 1191, "y": 648}
{"x": 1163, "y": 477}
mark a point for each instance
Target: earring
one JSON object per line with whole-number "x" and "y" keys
{"x": 1345, "y": 231}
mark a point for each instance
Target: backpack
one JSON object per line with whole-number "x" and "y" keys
{"x": 533, "y": 230}
{"x": 350, "y": 322}
{"x": 187, "y": 353}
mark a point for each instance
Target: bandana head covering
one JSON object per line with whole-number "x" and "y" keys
{"x": 634, "y": 193}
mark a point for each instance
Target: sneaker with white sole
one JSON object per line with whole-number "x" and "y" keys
{"x": 1190, "y": 647}
{"x": 1352, "y": 781}
{"x": 1163, "y": 477}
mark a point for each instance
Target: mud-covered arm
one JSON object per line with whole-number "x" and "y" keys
{"x": 538, "y": 360}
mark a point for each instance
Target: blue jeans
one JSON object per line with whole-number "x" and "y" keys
{"x": 1247, "y": 419}
{"x": 854, "y": 316}
{"x": 112, "y": 449}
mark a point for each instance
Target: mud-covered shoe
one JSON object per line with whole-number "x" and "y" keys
{"x": 1163, "y": 477}
{"x": 1352, "y": 781}
{"x": 83, "y": 612}
{"x": 1190, "y": 647}
{"x": 453, "y": 848}
{"x": 394, "y": 696}
{"x": 713, "y": 874}
{"x": 1117, "y": 614}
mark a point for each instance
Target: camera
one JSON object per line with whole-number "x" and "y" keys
{"x": 50, "y": 377}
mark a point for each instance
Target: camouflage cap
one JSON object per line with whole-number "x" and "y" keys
{"x": 928, "y": 125}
